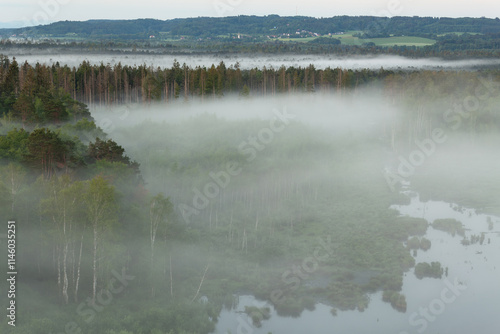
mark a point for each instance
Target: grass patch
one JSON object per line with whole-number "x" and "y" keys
{"x": 349, "y": 39}
{"x": 298, "y": 40}
{"x": 451, "y": 226}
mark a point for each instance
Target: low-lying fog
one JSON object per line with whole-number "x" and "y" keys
{"x": 248, "y": 62}
{"x": 341, "y": 145}
{"x": 337, "y": 112}
{"x": 363, "y": 116}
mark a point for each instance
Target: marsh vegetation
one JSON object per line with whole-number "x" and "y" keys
{"x": 294, "y": 193}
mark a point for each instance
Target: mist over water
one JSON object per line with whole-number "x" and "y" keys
{"x": 349, "y": 146}
{"x": 336, "y": 112}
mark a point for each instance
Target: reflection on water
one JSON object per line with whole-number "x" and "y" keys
{"x": 466, "y": 301}
{"x": 475, "y": 266}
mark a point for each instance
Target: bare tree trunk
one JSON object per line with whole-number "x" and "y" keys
{"x": 94, "y": 265}
{"x": 231, "y": 229}
{"x": 244, "y": 241}
{"x": 216, "y": 218}
{"x": 153, "y": 228}
{"x": 210, "y": 218}
{"x": 202, "y": 279}
{"x": 58, "y": 267}
{"x": 73, "y": 263}
{"x": 65, "y": 274}
{"x": 171, "y": 279}
{"x": 78, "y": 270}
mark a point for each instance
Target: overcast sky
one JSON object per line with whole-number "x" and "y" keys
{"x": 33, "y": 12}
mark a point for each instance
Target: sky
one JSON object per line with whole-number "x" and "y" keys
{"x": 17, "y": 13}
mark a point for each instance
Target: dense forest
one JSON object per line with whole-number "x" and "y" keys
{"x": 105, "y": 85}
{"x": 101, "y": 224}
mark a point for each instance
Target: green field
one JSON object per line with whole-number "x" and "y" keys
{"x": 401, "y": 41}
{"x": 299, "y": 40}
{"x": 349, "y": 39}
{"x": 459, "y": 33}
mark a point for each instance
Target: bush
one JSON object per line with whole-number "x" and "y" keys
{"x": 425, "y": 269}
{"x": 451, "y": 226}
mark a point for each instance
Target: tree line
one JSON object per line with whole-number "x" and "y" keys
{"x": 449, "y": 46}
{"x": 41, "y": 93}
{"x": 262, "y": 25}
{"x": 105, "y": 84}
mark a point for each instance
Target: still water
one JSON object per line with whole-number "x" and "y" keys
{"x": 465, "y": 301}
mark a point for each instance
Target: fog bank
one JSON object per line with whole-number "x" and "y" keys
{"x": 248, "y": 62}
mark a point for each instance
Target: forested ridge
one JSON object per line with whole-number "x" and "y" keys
{"x": 264, "y": 25}
{"x": 340, "y": 35}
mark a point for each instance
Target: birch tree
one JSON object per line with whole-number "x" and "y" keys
{"x": 159, "y": 210}
{"x": 13, "y": 176}
{"x": 63, "y": 209}
{"x": 101, "y": 207}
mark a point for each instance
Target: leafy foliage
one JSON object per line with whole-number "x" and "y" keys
{"x": 451, "y": 226}
{"x": 13, "y": 146}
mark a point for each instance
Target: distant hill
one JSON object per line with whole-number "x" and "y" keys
{"x": 203, "y": 27}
